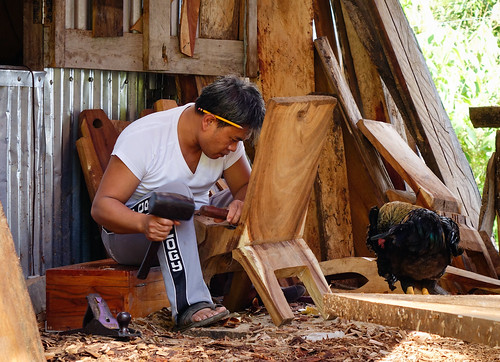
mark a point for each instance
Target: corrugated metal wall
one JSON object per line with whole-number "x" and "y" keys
{"x": 41, "y": 186}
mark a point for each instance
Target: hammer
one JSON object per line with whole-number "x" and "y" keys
{"x": 174, "y": 207}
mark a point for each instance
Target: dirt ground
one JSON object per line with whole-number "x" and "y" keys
{"x": 252, "y": 336}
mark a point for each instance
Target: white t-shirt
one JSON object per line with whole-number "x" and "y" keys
{"x": 150, "y": 148}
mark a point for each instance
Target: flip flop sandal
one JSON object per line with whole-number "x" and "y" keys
{"x": 186, "y": 322}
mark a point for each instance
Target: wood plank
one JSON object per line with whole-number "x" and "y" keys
{"x": 219, "y": 19}
{"x": 371, "y": 161}
{"x": 156, "y": 34}
{"x": 20, "y": 338}
{"x": 470, "y": 318}
{"x": 430, "y": 191}
{"x": 212, "y": 57}
{"x": 385, "y": 32}
{"x": 107, "y": 18}
{"x": 485, "y": 116}
{"x": 273, "y": 213}
{"x": 251, "y": 51}
{"x": 32, "y": 39}
{"x": 285, "y": 49}
{"x": 190, "y": 10}
{"x": 332, "y": 197}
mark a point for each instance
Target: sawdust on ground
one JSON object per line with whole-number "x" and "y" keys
{"x": 252, "y": 336}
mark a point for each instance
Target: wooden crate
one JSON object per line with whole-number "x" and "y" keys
{"x": 68, "y": 286}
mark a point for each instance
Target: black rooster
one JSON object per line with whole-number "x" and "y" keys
{"x": 413, "y": 245}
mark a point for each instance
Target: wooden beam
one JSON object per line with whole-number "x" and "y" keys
{"x": 20, "y": 338}
{"x": 107, "y": 18}
{"x": 470, "y": 318}
{"x": 485, "y": 116}
{"x": 190, "y": 9}
{"x": 251, "y": 58}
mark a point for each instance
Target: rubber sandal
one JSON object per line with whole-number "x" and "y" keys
{"x": 185, "y": 321}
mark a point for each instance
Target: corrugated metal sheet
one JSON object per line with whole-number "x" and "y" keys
{"x": 41, "y": 186}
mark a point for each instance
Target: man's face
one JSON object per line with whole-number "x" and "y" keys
{"x": 222, "y": 140}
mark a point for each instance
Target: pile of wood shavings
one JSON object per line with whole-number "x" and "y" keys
{"x": 252, "y": 336}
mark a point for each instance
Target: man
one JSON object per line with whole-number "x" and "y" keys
{"x": 183, "y": 150}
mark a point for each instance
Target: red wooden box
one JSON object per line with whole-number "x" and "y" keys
{"x": 68, "y": 287}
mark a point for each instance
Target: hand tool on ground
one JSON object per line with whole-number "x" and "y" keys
{"x": 98, "y": 320}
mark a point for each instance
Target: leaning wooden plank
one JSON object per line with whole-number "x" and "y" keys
{"x": 485, "y": 117}
{"x": 91, "y": 166}
{"x": 335, "y": 78}
{"x": 430, "y": 191}
{"x": 107, "y": 18}
{"x": 487, "y": 216}
{"x": 471, "y": 280}
{"x": 385, "y": 32}
{"x": 190, "y": 10}
{"x": 19, "y": 335}
{"x": 470, "y": 318}
{"x": 219, "y": 19}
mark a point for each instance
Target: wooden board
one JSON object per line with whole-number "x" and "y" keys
{"x": 68, "y": 286}
{"x": 430, "y": 191}
{"x": 278, "y": 194}
{"x": 470, "y": 318}
{"x": 485, "y": 116}
{"x": 107, "y": 18}
{"x": 285, "y": 51}
{"x": 385, "y": 32}
{"x": 219, "y": 19}
{"x": 19, "y": 336}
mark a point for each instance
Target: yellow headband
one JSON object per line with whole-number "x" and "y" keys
{"x": 220, "y": 118}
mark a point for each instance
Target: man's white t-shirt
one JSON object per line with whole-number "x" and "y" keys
{"x": 150, "y": 148}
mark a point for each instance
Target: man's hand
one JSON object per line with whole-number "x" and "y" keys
{"x": 157, "y": 228}
{"x": 234, "y": 213}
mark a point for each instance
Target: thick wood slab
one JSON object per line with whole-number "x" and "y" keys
{"x": 19, "y": 336}
{"x": 467, "y": 317}
{"x": 388, "y": 38}
{"x": 485, "y": 117}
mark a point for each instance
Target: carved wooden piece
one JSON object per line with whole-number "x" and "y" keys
{"x": 19, "y": 335}
{"x": 485, "y": 116}
{"x": 470, "y": 318}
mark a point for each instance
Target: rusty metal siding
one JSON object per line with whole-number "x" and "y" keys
{"x": 42, "y": 189}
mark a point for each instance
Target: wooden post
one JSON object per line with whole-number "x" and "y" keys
{"x": 19, "y": 335}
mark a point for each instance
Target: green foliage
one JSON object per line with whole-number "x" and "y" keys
{"x": 460, "y": 40}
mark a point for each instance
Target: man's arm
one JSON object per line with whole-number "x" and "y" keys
{"x": 237, "y": 177}
{"x": 109, "y": 210}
